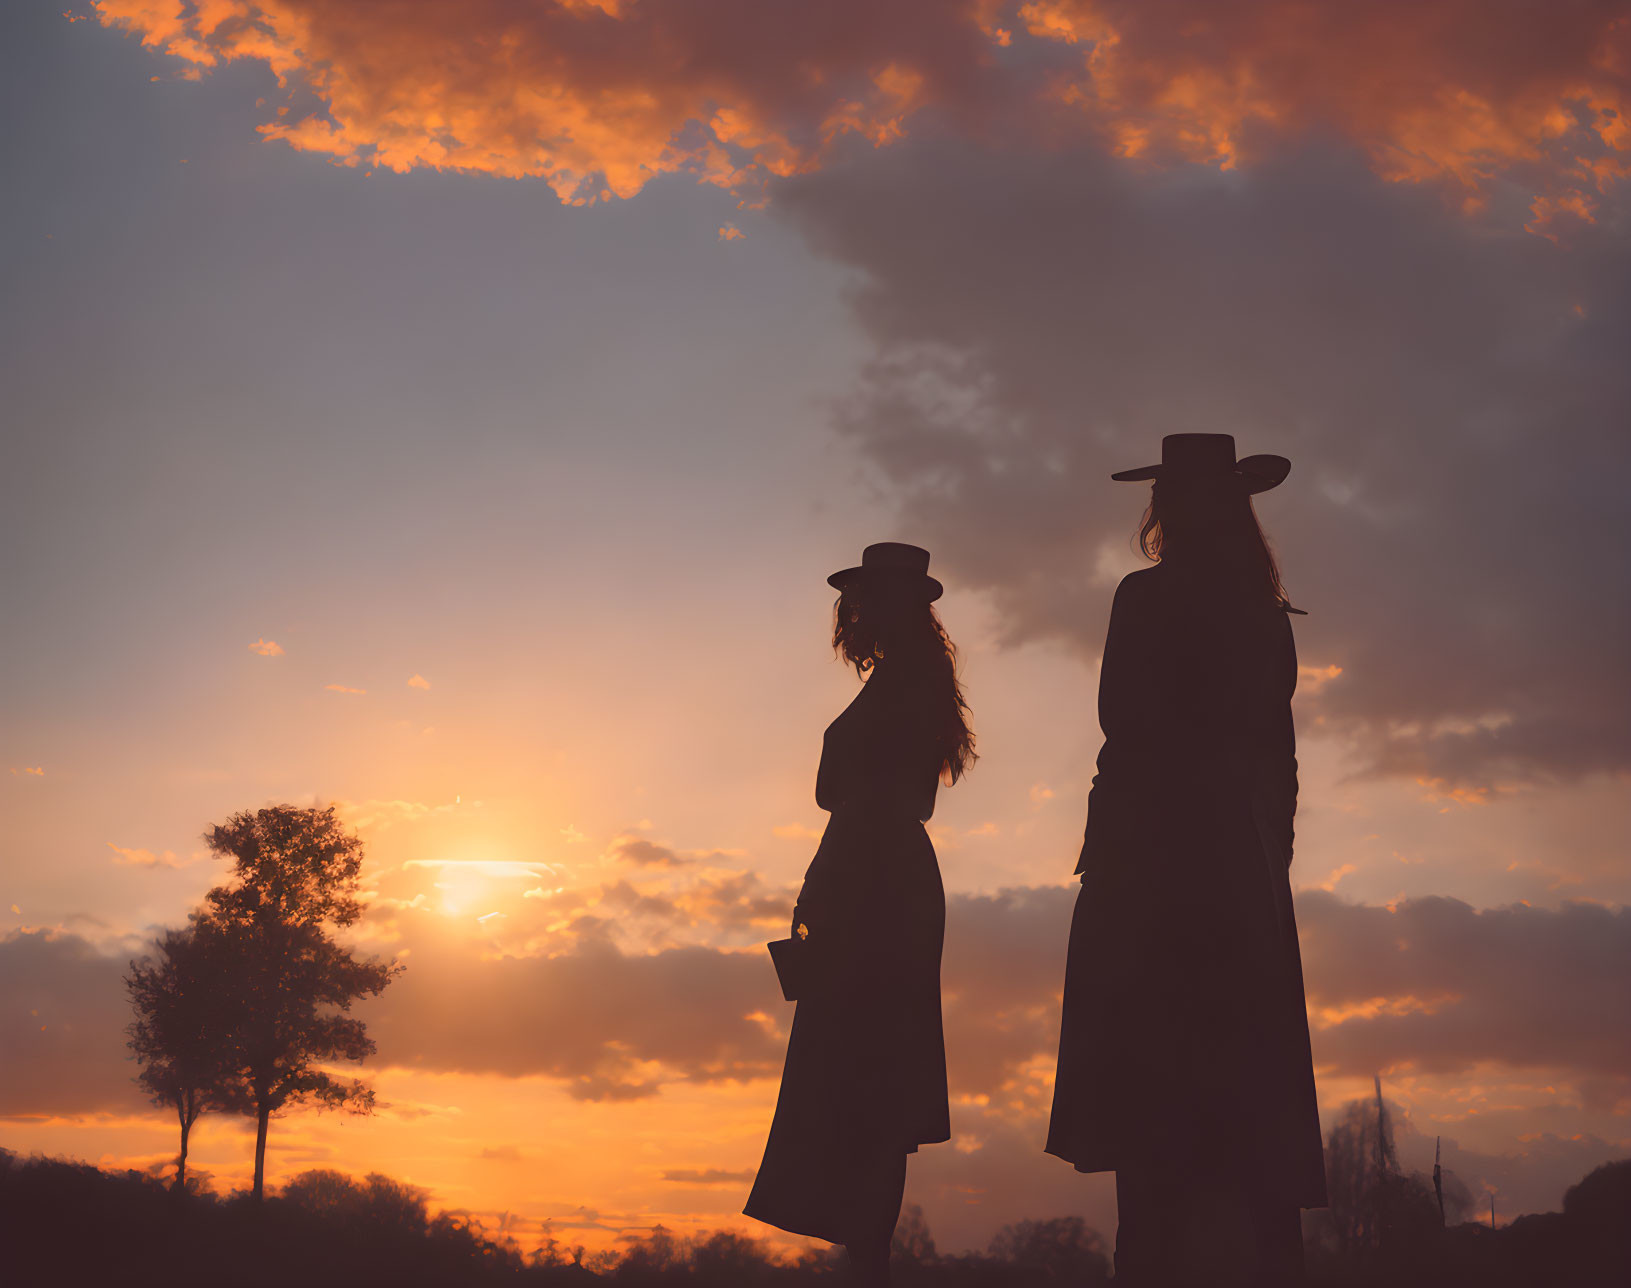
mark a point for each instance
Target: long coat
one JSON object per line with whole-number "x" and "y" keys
{"x": 865, "y": 1078}
{"x": 1184, "y": 1042}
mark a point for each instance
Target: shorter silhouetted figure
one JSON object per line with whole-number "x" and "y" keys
{"x": 1183, "y": 1058}
{"x": 865, "y": 1079}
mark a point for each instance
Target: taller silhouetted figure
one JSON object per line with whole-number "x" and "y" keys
{"x": 1184, "y": 1063}
{"x": 865, "y": 1079}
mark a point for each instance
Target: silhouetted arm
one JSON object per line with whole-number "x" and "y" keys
{"x": 829, "y": 795}
{"x": 1274, "y": 741}
{"x": 1128, "y": 696}
{"x": 827, "y": 792}
{"x": 1285, "y": 733}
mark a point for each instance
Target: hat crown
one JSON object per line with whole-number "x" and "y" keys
{"x": 892, "y": 567}
{"x": 895, "y": 556}
{"x": 1198, "y": 453}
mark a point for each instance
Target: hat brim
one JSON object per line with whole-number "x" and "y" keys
{"x": 1259, "y": 473}
{"x": 902, "y": 582}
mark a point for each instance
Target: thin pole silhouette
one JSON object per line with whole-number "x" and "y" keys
{"x": 1438, "y": 1178}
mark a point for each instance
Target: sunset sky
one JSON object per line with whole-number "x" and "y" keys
{"x": 452, "y": 412}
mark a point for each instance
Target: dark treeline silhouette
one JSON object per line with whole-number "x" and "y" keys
{"x": 238, "y": 1011}
{"x": 69, "y": 1223}
{"x": 1377, "y": 1209}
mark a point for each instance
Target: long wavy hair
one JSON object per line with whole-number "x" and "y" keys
{"x": 1209, "y": 525}
{"x": 909, "y": 634}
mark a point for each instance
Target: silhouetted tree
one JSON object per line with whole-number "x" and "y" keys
{"x": 726, "y": 1257}
{"x": 329, "y": 1229}
{"x": 1599, "y": 1207}
{"x": 376, "y": 1202}
{"x": 657, "y": 1256}
{"x": 1066, "y": 1250}
{"x": 1358, "y": 1154}
{"x": 182, "y": 1031}
{"x": 552, "y": 1254}
{"x": 912, "y": 1241}
{"x": 1602, "y": 1196}
{"x": 1376, "y": 1207}
{"x": 296, "y": 877}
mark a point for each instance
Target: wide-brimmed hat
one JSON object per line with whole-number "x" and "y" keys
{"x": 894, "y": 568}
{"x": 1200, "y": 456}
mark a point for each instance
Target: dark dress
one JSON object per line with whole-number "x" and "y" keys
{"x": 1184, "y": 1049}
{"x": 865, "y": 1078}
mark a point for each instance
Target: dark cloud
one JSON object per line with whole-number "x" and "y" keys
{"x": 594, "y": 1016}
{"x": 707, "y": 1176}
{"x": 1437, "y": 986}
{"x": 64, "y": 1011}
{"x": 1430, "y": 986}
{"x": 1451, "y": 389}
{"x": 1003, "y": 970}
{"x": 738, "y": 903}
{"x": 729, "y": 908}
{"x": 642, "y": 853}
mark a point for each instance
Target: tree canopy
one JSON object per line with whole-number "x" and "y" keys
{"x": 295, "y": 878}
{"x": 182, "y": 1033}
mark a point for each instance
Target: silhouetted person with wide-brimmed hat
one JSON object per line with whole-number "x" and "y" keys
{"x": 1184, "y": 1062}
{"x": 865, "y": 1079}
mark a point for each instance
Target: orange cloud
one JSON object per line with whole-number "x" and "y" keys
{"x": 642, "y": 853}
{"x": 1311, "y": 679}
{"x": 133, "y": 858}
{"x": 636, "y": 851}
{"x": 384, "y": 813}
{"x": 707, "y": 1176}
{"x": 417, "y": 681}
{"x": 730, "y": 232}
{"x": 342, "y": 688}
{"x": 1335, "y": 878}
{"x": 597, "y": 98}
{"x": 28, "y": 771}
{"x": 1446, "y": 92}
{"x": 1370, "y": 1008}
{"x": 267, "y": 648}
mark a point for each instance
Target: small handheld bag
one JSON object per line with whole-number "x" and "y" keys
{"x": 791, "y": 958}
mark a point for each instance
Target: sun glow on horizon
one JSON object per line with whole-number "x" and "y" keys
{"x": 465, "y": 883}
